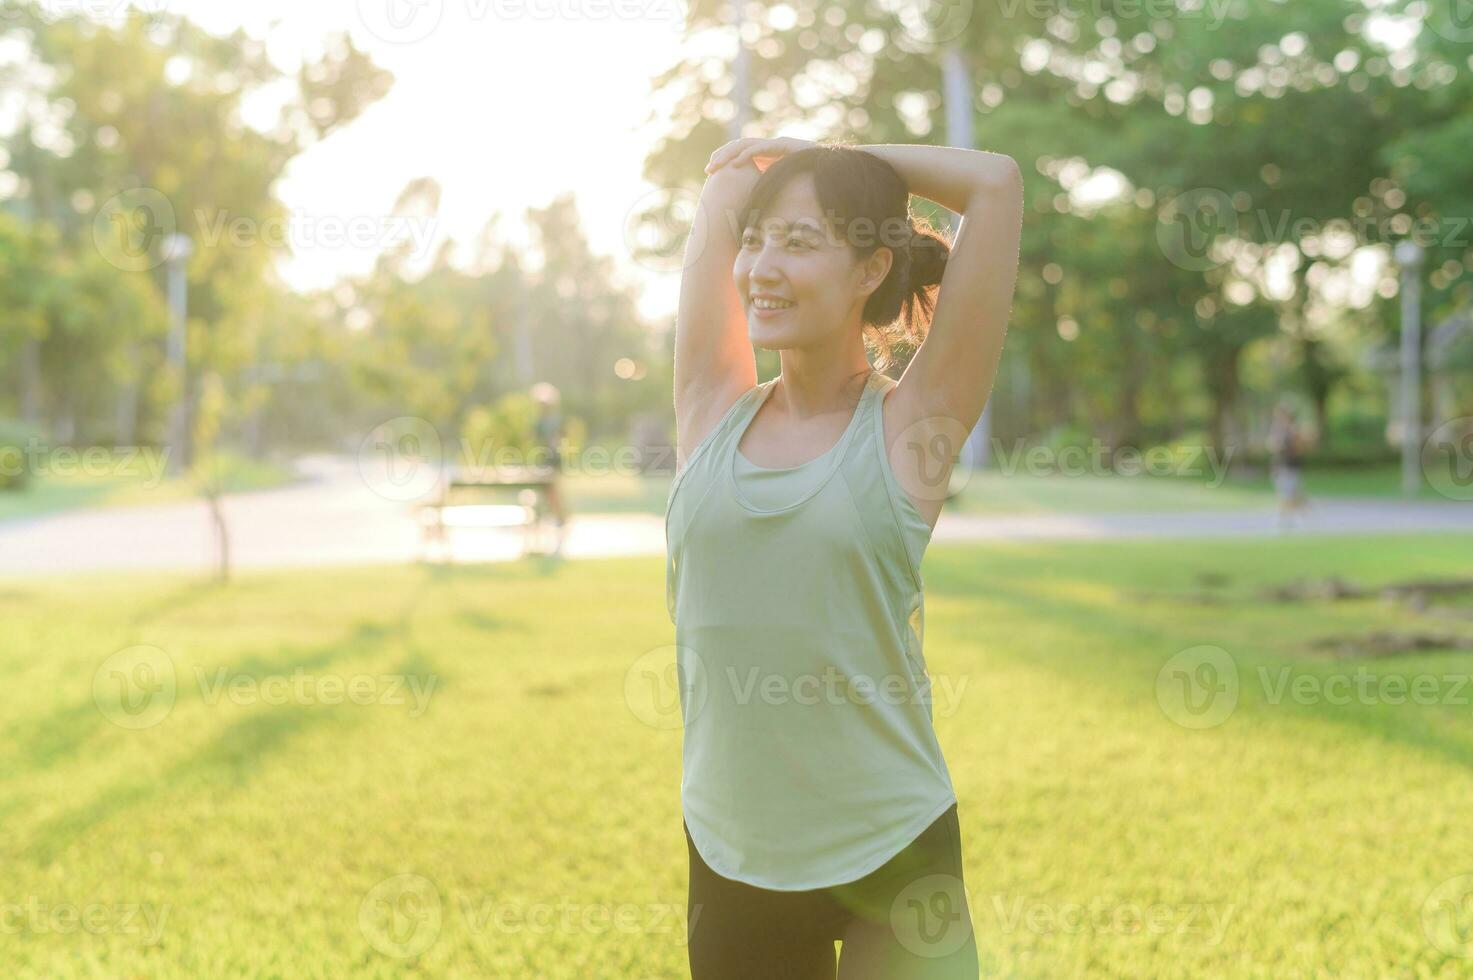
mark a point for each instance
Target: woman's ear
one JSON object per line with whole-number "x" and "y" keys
{"x": 876, "y": 268}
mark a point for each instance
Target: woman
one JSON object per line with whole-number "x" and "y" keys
{"x": 1286, "y": 446}
{"x": 548, "y": 432}
{"x": 817, "y": 804}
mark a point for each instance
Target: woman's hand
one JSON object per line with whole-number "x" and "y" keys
{"x": 751, "y": 149}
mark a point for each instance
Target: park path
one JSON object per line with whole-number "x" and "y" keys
{"x": 334, "y": 516}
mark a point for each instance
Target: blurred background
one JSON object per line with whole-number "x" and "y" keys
{"x": 345, "y": 330}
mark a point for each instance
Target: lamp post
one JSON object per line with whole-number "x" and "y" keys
{"x": 178, "y": 248}
{"x": 1409, "y": 256}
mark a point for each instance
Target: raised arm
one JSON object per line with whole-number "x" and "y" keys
{"x": 714, "y": 364}
{"x": 952, "y": 372}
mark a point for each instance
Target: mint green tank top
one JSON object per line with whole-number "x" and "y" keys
{"x": 809, "y": 755}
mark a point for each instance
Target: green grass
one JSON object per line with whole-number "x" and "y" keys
{"x": 260, "y": 836}
{"x": 119, "y": 480}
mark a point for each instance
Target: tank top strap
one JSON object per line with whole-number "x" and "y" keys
{"x": 713, "y": 442}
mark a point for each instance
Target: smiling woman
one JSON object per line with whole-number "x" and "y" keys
{"x": 795, "y": 529}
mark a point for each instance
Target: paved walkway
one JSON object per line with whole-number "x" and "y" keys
{"x": 335, "y": 516}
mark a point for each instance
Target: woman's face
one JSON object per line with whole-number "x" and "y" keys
{"x": 793, "y": 255}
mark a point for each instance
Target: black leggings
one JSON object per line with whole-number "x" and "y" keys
{"x": 906, "y": 920}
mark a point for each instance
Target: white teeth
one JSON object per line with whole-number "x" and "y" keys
{"x": 767, "y": 304}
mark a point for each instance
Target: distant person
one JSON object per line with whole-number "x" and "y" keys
{"x": 795, "y": 526}
{"x": 548, "y": 431}
{"x": 1286, "y": 446}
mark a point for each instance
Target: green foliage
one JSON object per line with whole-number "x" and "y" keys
{"x": 504, "y": 433}
{"x": 501, "y": 433}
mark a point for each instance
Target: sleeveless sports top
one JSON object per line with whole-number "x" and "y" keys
{"x": 809, "y": 756}
{"x": 771, "y": 487}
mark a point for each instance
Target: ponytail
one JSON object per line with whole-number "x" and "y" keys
{"x": 899, "y": 312}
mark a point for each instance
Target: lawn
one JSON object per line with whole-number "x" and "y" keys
{"x": 496, "y": 794}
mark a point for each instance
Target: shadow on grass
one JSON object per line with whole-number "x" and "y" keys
{"x": 230, "y": 756}
{"x": 1139, "y": 647}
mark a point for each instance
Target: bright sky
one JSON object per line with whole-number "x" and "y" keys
{"x": 507, "y": 103}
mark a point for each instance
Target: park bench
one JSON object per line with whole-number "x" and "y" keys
{"x": 448, "y": 508}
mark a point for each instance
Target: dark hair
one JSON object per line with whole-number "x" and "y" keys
{"x": 855, "y": 186}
